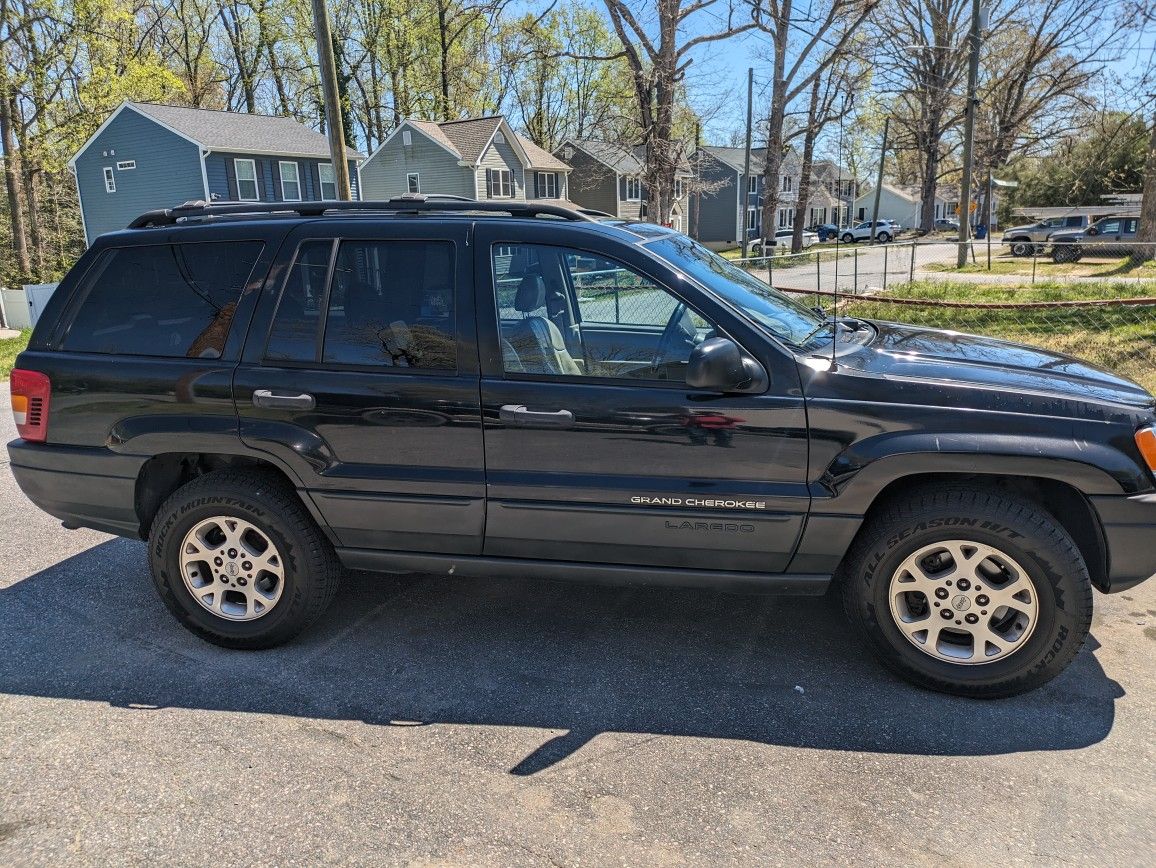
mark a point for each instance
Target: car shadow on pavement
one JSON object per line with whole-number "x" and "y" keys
{"x": 583, "y": 659}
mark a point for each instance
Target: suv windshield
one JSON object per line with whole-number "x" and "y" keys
{"x": 795, "y": 323}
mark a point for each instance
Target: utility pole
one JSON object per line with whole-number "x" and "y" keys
{"x": 744, "y": 193}
{"x": 333, "y": 125}
{"x": 969, "y": 138}
{"x": 879, "y": 181}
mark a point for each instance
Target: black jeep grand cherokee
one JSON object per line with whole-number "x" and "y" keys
{"x": 434, "y": 385}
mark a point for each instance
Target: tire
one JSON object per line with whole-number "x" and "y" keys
{"x": 883, "y": 237}
{"x": 256, "y": 608}
{"x": 1064, "y": 253}
{"x": 985, "y": 519}
{"x": 848, "y": 238}
{"x": 1021, "y": 248}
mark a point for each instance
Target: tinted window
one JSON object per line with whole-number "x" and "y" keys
{"x": 392, "y": 303}
{"x": 294, "y": 334}
{"x": 163, "y": 300}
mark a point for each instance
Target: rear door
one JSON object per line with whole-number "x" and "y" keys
{"x": 596, "y": 449}
{"x": 360, "y": 374}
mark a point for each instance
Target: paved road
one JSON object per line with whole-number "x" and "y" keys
{"x": 432, "y": 720}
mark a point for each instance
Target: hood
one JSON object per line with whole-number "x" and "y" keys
{"x": 1023, "y": 227}
{"x": 1067, "y": 235}
{"x": 913, "y": 352}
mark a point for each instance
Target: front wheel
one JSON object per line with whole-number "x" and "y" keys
{"x": 239, "y": 561}
{"x": 1064, "y": 253}
{"x": 848, "y": 238}
{"x": 971, "y": 591}
{"x": 1022, "y": 248}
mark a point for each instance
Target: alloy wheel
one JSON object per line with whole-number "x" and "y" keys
{"x": 962, "y": 601}
{"x": 232, "y": 568}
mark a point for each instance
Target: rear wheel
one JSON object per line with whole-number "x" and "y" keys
{"x": 884, "y": 237}
{"x": 972, "y": 591}
{"x": 239, "y": 561}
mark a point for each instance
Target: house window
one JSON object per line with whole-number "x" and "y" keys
{"x": 413, "y": 182}
{"x": 634, "y": 189}
{"x": 246, "y": 180}
{"x": 109, "y": 180}
{"x": 328, "y": 181}
{"x": 679, "y": 188}
{"x": 499, "y": 138}
{"x": 406, "y": 138}
{"x": 788, "y": 183}
{"x": 126, "y": 165}
{"x": 547, "y": 185}
{"x": 752, "y": 219}
{"x": 753, "y": 184}
{"x": 290, "y": 181}
{"x": 501, "y": 182}
{"x": 862, "y": 214}
{"x": 676, "y": 222}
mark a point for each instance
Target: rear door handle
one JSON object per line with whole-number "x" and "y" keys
{"x": 519, "y": 414}
{"x": 271, "y": 400}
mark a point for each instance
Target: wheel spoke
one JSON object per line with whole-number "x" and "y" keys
{"x": 983, "y": 635}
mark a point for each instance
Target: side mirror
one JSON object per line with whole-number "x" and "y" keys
{"x": 1092, "y": 230}
{"x": 719, "y": 365}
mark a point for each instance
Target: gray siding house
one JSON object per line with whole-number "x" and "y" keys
{"x": 722, "y": 221}
{"x": 608, "y": 177}
{"x": 478, "y": 158}
{"x": 147, "y": 156}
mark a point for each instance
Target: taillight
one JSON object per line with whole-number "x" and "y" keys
{"x": 31, "y": 391}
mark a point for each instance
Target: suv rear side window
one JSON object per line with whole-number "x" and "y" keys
{"x": 387, "y": 303}
{"x": 172, "y": 300}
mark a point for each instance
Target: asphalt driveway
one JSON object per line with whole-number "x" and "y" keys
{"x": 435, "y": 720}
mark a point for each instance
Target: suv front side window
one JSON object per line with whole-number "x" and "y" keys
{"x": 568, "y": 312}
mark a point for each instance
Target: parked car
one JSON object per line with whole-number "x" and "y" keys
{"x": 825, "y": 231}
{"x": 1029, "y": 239}
{"x": 782, "y": 241}
{"x": 516, "y": 389}
{"x": 943, "y": 225}
{"x": 885, "y": 230}
{"x": 1108, "y": 236}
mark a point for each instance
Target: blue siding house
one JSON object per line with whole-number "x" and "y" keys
{"x": 147, "y": 156}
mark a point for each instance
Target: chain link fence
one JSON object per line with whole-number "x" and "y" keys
{"x": 1096, "y": 301}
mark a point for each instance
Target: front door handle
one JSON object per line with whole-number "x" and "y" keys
{"x": 519, "y": 414}
{"x": 271, "y": 400}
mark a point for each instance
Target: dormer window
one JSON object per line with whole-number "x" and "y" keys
{"x": 499, "y": 139}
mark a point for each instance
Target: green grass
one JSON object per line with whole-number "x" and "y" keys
{"x": 1122, "y": 266}
{"x": 1119, "y": 338}
{"x": 10, "y": 349}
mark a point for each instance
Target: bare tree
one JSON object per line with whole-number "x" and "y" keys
{"x": 658, "y": 59}
{"x": 803, "y": 44}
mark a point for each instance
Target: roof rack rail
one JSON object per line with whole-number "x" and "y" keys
{"x": 410, "y": 203}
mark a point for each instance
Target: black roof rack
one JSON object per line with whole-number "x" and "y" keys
{"x": 410, "y": 203}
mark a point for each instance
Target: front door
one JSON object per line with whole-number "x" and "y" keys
{"x": 360, "y": 376}
{"x": 596, "y": 449}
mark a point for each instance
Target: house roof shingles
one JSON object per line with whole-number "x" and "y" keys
{"x": 224, "y": 131}
{"x": 470, "y": 137}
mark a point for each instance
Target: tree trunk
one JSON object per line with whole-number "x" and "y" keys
{"x": 1147, "y": 231}
{"x": 927, "y": 184}
{"x": 444, "y": 47}
{"x": 774, "y": 159}
{"x": 804, "y": 192}
{"x": 12, "y": 176}
{"x": 32, "y": 203}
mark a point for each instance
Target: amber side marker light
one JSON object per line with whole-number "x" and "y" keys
{"x": 1146, "y": 443}
{"x": 31, "y": 392}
